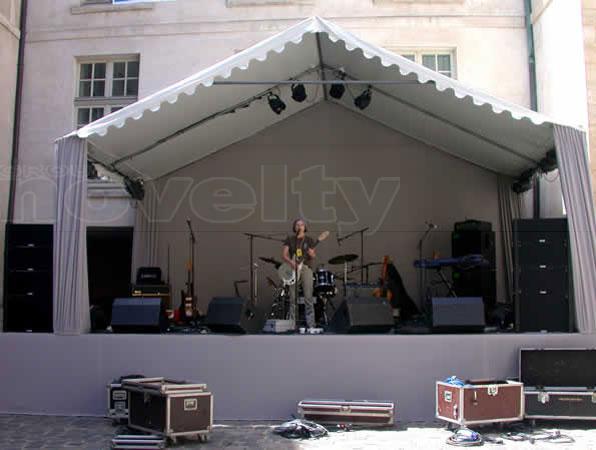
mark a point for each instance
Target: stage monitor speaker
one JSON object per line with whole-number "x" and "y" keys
{"x": 138, "y": 315}
{"x": 233, "y": 315}
{"x": 363, "y": 315}
{"x": 458, "y": 314}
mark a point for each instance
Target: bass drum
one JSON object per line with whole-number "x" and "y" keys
{"x": 324, "y": 283}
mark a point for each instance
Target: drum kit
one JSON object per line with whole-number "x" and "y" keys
{"x": 324, "y": 287}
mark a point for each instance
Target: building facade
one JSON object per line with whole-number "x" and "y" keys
{"x": 80, "y": 55}
{"x": 87, "y": 58}
{"x": 589, "y": 22}
{"x": 10, "y": 36}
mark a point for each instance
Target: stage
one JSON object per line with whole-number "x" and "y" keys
{"x": 257, "y": 377}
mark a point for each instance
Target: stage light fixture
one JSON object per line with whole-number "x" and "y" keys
{"x": 524, "y": 182}
{"x": 275, "y": 103}
{"x": 298, "y": 93}
{"x": 337, "y": 89}
{"x": 363, "y": 100}
{"x": 135, "y": 188}
{"x": 521, "y": 186}
{"x": 549, "y": 162}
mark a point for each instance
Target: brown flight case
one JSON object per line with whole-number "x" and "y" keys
{"x": 479, "y": 402}
{"x": 169, "y": 408}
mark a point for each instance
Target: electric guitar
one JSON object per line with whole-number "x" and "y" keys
{"x": 287, "y": 273}
{"x": 383, "y": 290}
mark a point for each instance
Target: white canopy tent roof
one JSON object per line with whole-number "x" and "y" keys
{"x": 189, "y": 120}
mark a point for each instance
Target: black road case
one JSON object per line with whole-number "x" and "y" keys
{"x": 169, "y": 408}
{"x": 559, "y": 383}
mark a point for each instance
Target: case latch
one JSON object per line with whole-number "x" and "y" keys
{"x": 492, "y": 390}
{"x": 544, "y": 398}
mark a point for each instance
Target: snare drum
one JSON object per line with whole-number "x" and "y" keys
{"x": 324, "y": 283}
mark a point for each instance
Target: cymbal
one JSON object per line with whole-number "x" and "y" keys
{"x": 341, "y": 259}
{"x": 273, "y": 261}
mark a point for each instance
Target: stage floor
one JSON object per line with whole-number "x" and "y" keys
{"x": 257, "y": 377}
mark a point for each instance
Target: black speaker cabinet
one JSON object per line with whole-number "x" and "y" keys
{"x": 363, "y": 315}
{"x": 28, "y": 278}
{"x": 474, "y": 237}
{"x": 542, "y": 275}
{"x": 233, "y": 315}
{"x": 138, "y": 315}
{"x": 458, "y": 314}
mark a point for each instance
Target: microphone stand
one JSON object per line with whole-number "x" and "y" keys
{"x": 422, "y": 275}
{"x": 253, "y": 272}
{"x": 361, "y": 232}
{"x": 295, "y": 305}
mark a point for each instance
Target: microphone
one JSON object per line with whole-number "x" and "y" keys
{"x": 431, "y": 226}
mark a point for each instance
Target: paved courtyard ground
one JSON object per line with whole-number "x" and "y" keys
{"x": 52, "y": 432}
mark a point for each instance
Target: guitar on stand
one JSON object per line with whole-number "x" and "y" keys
{"x": 188, "y": 306}
{"x": 383, "y": 290}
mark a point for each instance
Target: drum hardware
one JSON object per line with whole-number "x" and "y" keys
{"x": 273, "y": 261}
{"x": 253, "y": 284}
{"x": 341, "y": 259}
{"x": 348, "y": 236}
{"x": 366, "y": 268}
{"x": 271, "y": 282}
{"x": 236, "y": 288}
{"x": 324, "y": 283}
{"x": 344, "y": 259}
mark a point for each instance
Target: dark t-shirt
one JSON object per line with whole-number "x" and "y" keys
{"x": 302, "y": 245}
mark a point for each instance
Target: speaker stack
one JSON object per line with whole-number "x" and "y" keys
{"x": 542, "y": 275}
{"x": 475, "y": 237}
{"x": 28, "y": 278}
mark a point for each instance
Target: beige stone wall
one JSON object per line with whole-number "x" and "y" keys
{"x": 589, "y": 16}
{"x": 9, "y": 48}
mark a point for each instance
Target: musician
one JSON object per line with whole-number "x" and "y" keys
{"x": 298, "y": 251}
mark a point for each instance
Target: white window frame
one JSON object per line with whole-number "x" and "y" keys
{"x": 419, "y": 52}
{"x": 107, "y": 102}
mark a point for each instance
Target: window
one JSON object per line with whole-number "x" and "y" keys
{"x": 105, "y": 86}
{"x": 439, "y": 61}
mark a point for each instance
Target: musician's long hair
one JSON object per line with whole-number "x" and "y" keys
{"x": 299, "y": 219}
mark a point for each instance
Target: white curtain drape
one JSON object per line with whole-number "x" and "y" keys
{"x": 145, "y": 236}
{"x": 71, "y": 292}
{"x": 574, "y": 170}
{"x": 510, "y": 206}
